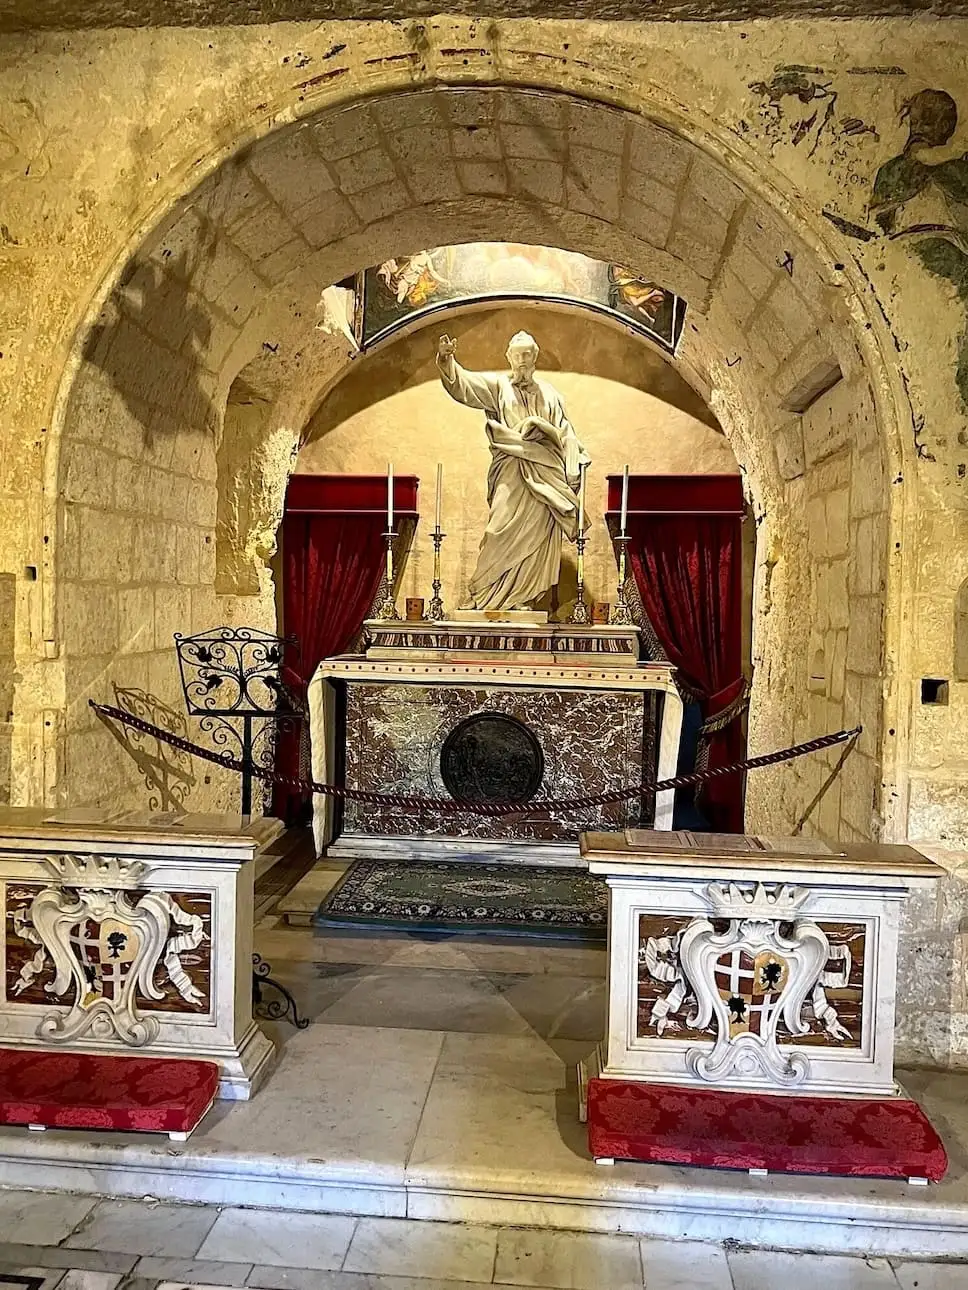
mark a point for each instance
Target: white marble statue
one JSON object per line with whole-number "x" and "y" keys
{"x": 532, "y": 482}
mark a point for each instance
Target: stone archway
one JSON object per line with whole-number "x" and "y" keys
{"x": 775, "y": 337}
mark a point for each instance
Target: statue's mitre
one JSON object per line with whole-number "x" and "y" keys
{"x": 522, "y": 340}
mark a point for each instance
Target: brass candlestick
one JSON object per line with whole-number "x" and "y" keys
{"x": 579, "y": 615}
{"x": 388, "y": 610}
{"x": 622, "y": 614}
{"x": 435, "y": 611}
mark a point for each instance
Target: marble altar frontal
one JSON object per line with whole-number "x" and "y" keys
{"x": 493, "y": 712}
{"x": 132, "y": 934}
{"x": 750, "y": 963}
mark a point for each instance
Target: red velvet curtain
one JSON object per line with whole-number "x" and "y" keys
{"x": 333, "y": 556}
{"x": 332, "y": 569}
{"x": 685, "y": 551}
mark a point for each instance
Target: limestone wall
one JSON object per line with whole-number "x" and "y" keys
{"x": 140, "y": 279}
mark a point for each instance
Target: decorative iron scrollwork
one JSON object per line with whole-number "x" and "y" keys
{"x": 236, "y": 674}
{"x": 272, "y": 1009}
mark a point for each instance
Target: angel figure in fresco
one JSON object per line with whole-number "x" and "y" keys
{"x": 637, "y": 292}
{"x": 536, "y": 462}
{"x": 413, "y": 279}
{"x": 932, "y": 198}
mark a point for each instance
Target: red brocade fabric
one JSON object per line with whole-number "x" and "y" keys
{"x": 86, "y": 1091}
{"x": 666, "y": 1123}
{"x": 686, "y": 556}
{"x": 333, "y": 561}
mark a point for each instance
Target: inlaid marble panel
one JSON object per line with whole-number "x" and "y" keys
{"x": 665, "y": 1002}
{"x": 591, "y": 742}
{"x": 29, "y": 971}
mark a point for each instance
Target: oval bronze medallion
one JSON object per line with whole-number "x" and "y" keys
{"x": 491, "y": 758}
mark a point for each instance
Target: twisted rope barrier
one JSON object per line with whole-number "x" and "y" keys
{"x": 450, "y": 806}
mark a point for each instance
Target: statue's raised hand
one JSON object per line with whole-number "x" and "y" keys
{"x": 446, "y": 347}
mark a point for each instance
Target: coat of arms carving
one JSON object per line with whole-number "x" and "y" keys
{"x": 750, "y": 976}
{"x": 110, "y": 947}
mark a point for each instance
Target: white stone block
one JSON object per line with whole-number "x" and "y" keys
{"x": 192, "y": 886}
{"x": 681, "y": 1005}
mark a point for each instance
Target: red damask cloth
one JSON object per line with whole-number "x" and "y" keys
{"x": 671, "y": 1124}
{"x": 87, "y": 1091}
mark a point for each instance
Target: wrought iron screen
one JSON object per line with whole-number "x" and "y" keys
{"x": 232, "y": 680}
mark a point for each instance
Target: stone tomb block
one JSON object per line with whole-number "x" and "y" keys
{"x": 132, "y": 933}
{"x": 747, "y": 963}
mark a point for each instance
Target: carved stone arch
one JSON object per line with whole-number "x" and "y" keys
{"x": 267, "y": 406}
{"x": 155, "y": 397}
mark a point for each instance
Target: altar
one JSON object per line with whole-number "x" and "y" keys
{"x": 500, "y": 712}
{"x": 501, "y": 700}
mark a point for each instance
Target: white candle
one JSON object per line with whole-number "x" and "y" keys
{"x": 583, "y": 473}
{"x": 390, "y": 497}
{"x": 625, "y": 500}
{"x": 440, "y": 480}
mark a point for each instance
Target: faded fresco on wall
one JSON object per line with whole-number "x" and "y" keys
{"x": 925, "y": 202}
{"x": 395, "y": 293}
{"x": 917, "y": 198}
{"x": 798, "y": 105}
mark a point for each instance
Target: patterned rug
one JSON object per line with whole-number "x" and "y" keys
{"x": 469, "y": 898}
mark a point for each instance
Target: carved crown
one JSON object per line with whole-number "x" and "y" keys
{"x": 775, "y": 901}
{"x": 95, "y": 871}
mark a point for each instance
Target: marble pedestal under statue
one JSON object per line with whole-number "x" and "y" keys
{"x": 504, "y": 711}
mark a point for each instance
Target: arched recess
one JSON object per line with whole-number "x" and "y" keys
{"x": 267, "y": 405}
{"x": 235, "y": 274}
{"x": 628, "y": 404}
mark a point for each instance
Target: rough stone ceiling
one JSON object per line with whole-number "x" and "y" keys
{"x": 29, "y": 15}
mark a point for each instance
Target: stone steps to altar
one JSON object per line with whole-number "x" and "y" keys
{"x": 483, "y": 1128}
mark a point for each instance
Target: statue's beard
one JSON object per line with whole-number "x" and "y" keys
{"x": 523, "y": 378}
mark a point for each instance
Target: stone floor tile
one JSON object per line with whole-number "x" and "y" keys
{"x": 426, "y": 999}
{"x": 339, "y": 1093}
{"x": 932, "y": 1276}
{"x": 556, "y": 1006}
{"x": 536, "y": 959}
{"x": 298, "y": 906}
{"x": 500, "y": 1105}
{"x": 179, "y": 1285}
{"x": 408, "y": 1247}
{"x": 316, "y": 987}
{"x": 279, "y": 1240}
{"x": 194, "y": 1271}
{"x": 41, "y": 1218}
{"x": 282, "y": 945}
{"x": 77, "y": 1280}
{"x": 568, "y": 1260}
{"x": 685, "y": 1265}
{"x": 36, "y": 1278}
{"x": 768, "y": 1270}
{"x": 137, "y": 1227}
{"x": 55, "y": 1256}
{"x": 293, "y": 1279}
{"x": 302, "y": 1279}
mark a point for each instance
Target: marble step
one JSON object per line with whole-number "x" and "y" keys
{"x": 481, "y": 1128}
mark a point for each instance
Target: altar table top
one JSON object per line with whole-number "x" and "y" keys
{"x": 90, "y": 825}
{"x": 538, "y": 674}
{"x": 728, "y": 855}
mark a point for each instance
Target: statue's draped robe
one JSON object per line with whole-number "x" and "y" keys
{"x": 535, "y": 459}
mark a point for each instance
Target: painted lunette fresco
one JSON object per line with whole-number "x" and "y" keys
{"x": 398, "y": 291}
